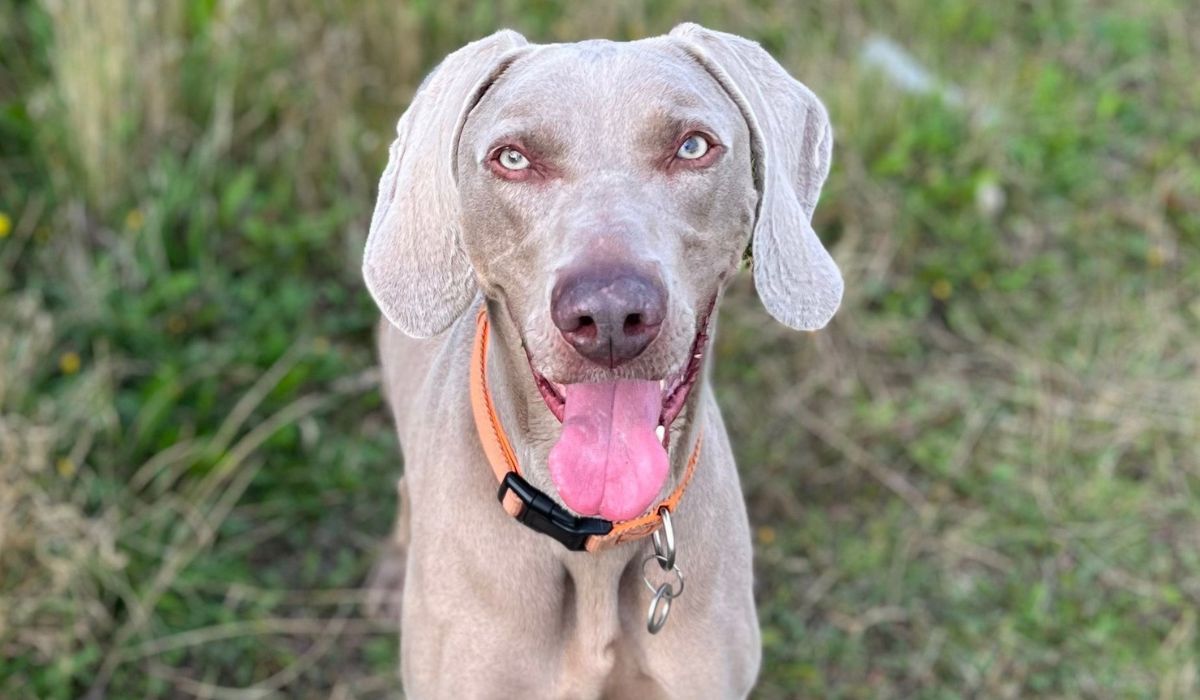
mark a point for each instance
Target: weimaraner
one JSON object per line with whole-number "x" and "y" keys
{"x": 594, "y": 199}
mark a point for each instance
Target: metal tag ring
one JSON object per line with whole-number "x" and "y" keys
{"x": 664, "y": 540}
{"x": 660, "y": 608}
{"x": 671, "y": 591}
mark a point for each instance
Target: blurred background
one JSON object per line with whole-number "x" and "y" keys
{"x": 980, "y": 481}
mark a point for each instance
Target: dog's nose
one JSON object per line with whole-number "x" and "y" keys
{"x": 608, "y": 314}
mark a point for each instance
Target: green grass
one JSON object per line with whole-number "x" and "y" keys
{"x": 980, "y": 481}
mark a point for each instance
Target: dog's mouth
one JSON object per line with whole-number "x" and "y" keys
{"x": 611, "y": 458}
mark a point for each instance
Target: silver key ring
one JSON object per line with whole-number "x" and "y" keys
{"x": 671, "y": 591}
{"x": 656, "y": 617}
{"x": 665, "y": 552}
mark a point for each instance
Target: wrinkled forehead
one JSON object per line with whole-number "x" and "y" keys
{"x": 608, "y": 90}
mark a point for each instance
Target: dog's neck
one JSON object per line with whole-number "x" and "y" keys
{"x": 530, "y": 425}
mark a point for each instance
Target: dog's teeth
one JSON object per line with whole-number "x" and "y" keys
{"x": 696, "y": 356}
{"x": 660, "y": 431}
{"x": 662, "y": 385}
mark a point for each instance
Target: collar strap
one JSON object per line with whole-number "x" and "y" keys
{"x": 529, "y": 505}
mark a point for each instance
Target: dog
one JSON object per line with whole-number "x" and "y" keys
{"x": 553, "y": 233}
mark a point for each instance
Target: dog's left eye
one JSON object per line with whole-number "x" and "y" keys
{"x": 695, "y": 146}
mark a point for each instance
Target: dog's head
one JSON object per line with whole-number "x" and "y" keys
{"x": 603, "y": 194}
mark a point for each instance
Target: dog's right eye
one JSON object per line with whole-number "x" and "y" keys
{"x": 512, "y": 159}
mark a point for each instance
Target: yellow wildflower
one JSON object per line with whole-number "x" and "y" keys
{"x": 1156, "y": 256}
{"x": 766, "y": 534}
{"x": 5, "y": 225}
{"x": 66, "y": 467}
{"x": 69, "y": 362}
{"x": 941, "y": 289}
{"x": 134, "y": 220}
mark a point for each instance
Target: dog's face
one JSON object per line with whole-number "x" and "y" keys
{"x": 603, "y": 194}
{"x": 597, "y": 164}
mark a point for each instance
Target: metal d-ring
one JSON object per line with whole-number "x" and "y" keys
{"x": 672, "y": 592}
{"x": 664, "y": 593}
{"x": 656, "y": 617}
{"x": 664, "y": 552}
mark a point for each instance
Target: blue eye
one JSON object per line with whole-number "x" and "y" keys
{"x": 512, "y": 159}
{"x": 693, "y": 147}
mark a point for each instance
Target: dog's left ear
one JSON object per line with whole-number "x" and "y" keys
{"x": 413, "y": 264}
{"x": 791, "y": 141}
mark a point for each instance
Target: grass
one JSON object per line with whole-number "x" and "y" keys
{"x": 980, "y": 481}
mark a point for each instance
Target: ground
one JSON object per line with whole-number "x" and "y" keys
{"x": 979, "y": 481}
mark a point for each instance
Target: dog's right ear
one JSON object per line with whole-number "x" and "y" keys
{"x": 413, "y": 264}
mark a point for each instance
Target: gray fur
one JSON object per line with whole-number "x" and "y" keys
{"x": 413, "y": 265}
{"x": 487, "y": 607}
{"x": 795, "y": 276}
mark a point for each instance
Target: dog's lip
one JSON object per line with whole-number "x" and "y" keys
{"x": 552, "y": 393}
{"x": 675, "y": 388}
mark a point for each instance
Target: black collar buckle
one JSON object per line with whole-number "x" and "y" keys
{"x": 543, "y": 515}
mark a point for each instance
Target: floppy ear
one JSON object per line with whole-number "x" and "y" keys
{"x": 791, "y": 144}
{"x": 413, "y": 264}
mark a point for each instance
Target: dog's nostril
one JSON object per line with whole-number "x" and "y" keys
{"x": 609, "y": 314}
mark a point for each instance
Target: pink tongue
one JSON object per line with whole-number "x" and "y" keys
{"x": 608, "y": 460}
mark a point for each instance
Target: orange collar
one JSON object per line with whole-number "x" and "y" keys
{"x": 534, "y": 508}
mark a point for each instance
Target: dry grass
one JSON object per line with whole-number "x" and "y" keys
{"x": 50, "y": 546}
{"x": 116, "y": 69}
